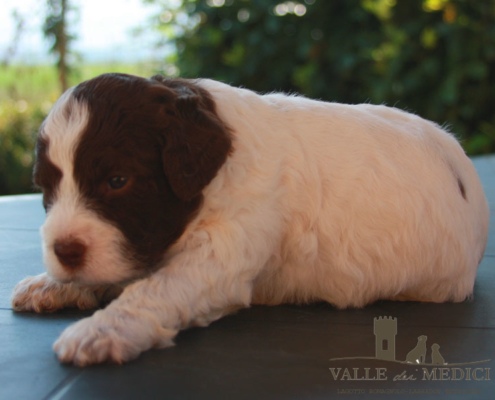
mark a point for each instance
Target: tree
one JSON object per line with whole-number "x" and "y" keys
{"x": 56, "y": 29}
{"x": 444, "y": 66}
{"x": 432, "y": 57}
{"x": 19, "y": 21}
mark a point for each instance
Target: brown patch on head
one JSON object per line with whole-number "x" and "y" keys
{"x": 165, "y": 138}
{"x": 46, "y": 175}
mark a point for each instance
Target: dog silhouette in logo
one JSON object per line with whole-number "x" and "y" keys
{"x": 436, "y": 357}
{"x": 418, "y": 354}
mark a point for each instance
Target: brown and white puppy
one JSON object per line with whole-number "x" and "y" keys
{"x": 198, "y": 198}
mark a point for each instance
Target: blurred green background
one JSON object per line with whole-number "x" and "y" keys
{"x": 435, "y": 58}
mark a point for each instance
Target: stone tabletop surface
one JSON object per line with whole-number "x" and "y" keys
{"x": 284, "y": 352}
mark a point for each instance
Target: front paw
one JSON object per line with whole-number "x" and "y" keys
{"x": 43, "y": 294}
{"x": 109, "y": 336}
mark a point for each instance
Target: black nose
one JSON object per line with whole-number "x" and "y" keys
{"x": 70, "y": 253}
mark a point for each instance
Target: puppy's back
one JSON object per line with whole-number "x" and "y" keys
{"x": 373, "y": 202}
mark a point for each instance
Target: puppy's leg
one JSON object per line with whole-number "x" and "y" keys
{"x": 43, "y": 294}
{"x": 196, "y": 287}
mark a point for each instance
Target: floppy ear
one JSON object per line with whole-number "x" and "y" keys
{"x": 197, "y": 142}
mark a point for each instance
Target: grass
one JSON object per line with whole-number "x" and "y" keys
{"x": 39, "y": 83}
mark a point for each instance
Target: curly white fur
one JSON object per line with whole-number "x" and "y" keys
{"x": 319, "y": 201}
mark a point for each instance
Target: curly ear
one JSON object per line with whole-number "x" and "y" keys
{"x": 197, "y": 142}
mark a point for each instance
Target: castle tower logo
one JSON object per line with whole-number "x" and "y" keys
{"x": 422, "y": 354}
{"x": 385, "y": 329}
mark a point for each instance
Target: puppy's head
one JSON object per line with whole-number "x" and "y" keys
{"x": 122, "y": 162}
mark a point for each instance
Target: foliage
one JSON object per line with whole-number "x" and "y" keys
{"x": 432, "y": 57}
{"x": 18, "y": 126}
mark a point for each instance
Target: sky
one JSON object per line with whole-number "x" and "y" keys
{"x": 103, "y": 29}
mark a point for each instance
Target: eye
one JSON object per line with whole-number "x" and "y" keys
{"x": 117, "y": 182}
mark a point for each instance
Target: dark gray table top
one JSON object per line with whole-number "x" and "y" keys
{"x": 280, "y": 352}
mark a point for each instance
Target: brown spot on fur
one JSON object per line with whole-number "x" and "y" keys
{"x": 461, "y": 188}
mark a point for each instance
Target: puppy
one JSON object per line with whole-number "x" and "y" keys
{"x": 436, "y": 357}
{"x": 197, "y": 198}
